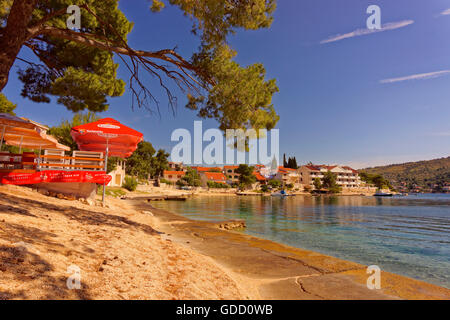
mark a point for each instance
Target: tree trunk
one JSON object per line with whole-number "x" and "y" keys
{"x": 14, "y": 35}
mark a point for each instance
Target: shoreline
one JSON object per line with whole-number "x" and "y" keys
{"x": 301, "y": 274}
{"x": 130, "y": 250}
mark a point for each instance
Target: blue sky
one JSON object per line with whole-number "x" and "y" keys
{"x": 368, "y": 99}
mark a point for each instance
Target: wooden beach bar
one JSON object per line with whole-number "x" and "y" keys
{"x": 48, "y": 167}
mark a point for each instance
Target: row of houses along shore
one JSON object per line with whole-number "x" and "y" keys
{"x": 301, "y": 178}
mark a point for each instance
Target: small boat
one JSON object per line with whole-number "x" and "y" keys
{"x": 282, "y": 193}
{"x": 383, "y": 194}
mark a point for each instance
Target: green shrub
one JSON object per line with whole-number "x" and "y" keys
{"x": 162, "y": 180}
{"x": 275, "y": 183}
{"x": 181, "y": 183}
{"x": 264, "y": 188}
{"x": 111, "y": 191}
{"x": 130, "y": 183}
{"x": 217, "y": 185}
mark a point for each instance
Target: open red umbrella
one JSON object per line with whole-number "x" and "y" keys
{"x": 109, "y": 136}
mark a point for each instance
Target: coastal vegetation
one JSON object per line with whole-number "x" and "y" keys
{"x": 275, "y": 184}
{"x": 317, "y": 184}
{"x": 111, "y": 191}
{"x": 376, "y": 179}
{"x": 246, "y": 176}
{"x": 329, "y": 183}
{"x": 191, "y": 178}
{"x": 165, "y": 181}
{"x": 217, "y": 185}
{"x": 6, "y": 106}
{"x": 130, "y": 183}
{"x": 428, "y": 175}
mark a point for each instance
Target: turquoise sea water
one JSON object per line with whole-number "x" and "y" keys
{"x": 405, "y": 235}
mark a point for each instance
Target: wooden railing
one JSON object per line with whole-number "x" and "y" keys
{"x": 71, "y": 163}
{"x": 11, "y": 161}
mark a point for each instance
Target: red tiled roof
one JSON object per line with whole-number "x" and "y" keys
{"x": 174, "y": 172}
{"x": 285, "y": 170}
{"x": 206, "y": 169}
{"x": 313, "y": 167}
{"x": 259, "y": 177}
{"x": 215, "y": 176}
{"x": 230, "y": 167}
{"x": 350, "y": 168}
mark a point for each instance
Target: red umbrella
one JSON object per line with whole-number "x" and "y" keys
{"x": 120, "y": 140}
{"x": 109, "y": 136}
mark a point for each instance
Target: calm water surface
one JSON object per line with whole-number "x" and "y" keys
{"x": 405, "y": 235}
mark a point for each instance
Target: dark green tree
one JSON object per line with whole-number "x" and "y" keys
{"x": 192, "y": 178}
{"x": 77, "y": 67}
{"x": 291, "y": 163}
{"x": 377, "y": 180}
{"x": 139, "y": 163}
{"x": 294, "y": 165}
{"x": 275, "y": 183}
{"x": 159, "y": 163}
{"x": 317, "y": 184}
{"x": 329, "y": 182}
{"x": 246, "y": 176}
{"x": 6, "y": 106}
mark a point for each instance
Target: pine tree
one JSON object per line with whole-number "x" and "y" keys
{"x": 295, "y": 163}
{"x": 79, "y": 69}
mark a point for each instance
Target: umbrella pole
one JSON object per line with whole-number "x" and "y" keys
{"x": 3, "y": 134}
{"x": 106, "y": 166}
{"x": 20, "y": 146}
{"x": 38, "y": 165}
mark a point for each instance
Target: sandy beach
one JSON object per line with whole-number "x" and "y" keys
{"x": 119, "y": 251}
{"x": 130, "y": 250}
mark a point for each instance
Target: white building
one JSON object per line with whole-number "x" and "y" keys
{"x": 118, "y": 174}
{"x": 346, "y": 177}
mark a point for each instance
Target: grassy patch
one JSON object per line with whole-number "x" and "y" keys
{"x": 112, "y": 191}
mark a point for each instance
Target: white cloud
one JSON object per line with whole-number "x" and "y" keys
{"x": 362, "y": 32}
{"x": 420, "y": 76}
{"x": 445, "y": 12}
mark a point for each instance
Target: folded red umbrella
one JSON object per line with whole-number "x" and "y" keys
{"x": 120, "y": 140}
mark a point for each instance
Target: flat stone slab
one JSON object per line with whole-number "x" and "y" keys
{"x": 283, "y": 272}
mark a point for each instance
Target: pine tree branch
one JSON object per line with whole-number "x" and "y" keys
{"x": 90, "y": 40}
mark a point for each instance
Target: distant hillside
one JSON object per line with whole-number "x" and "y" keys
{"x": 429, "y": 174}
